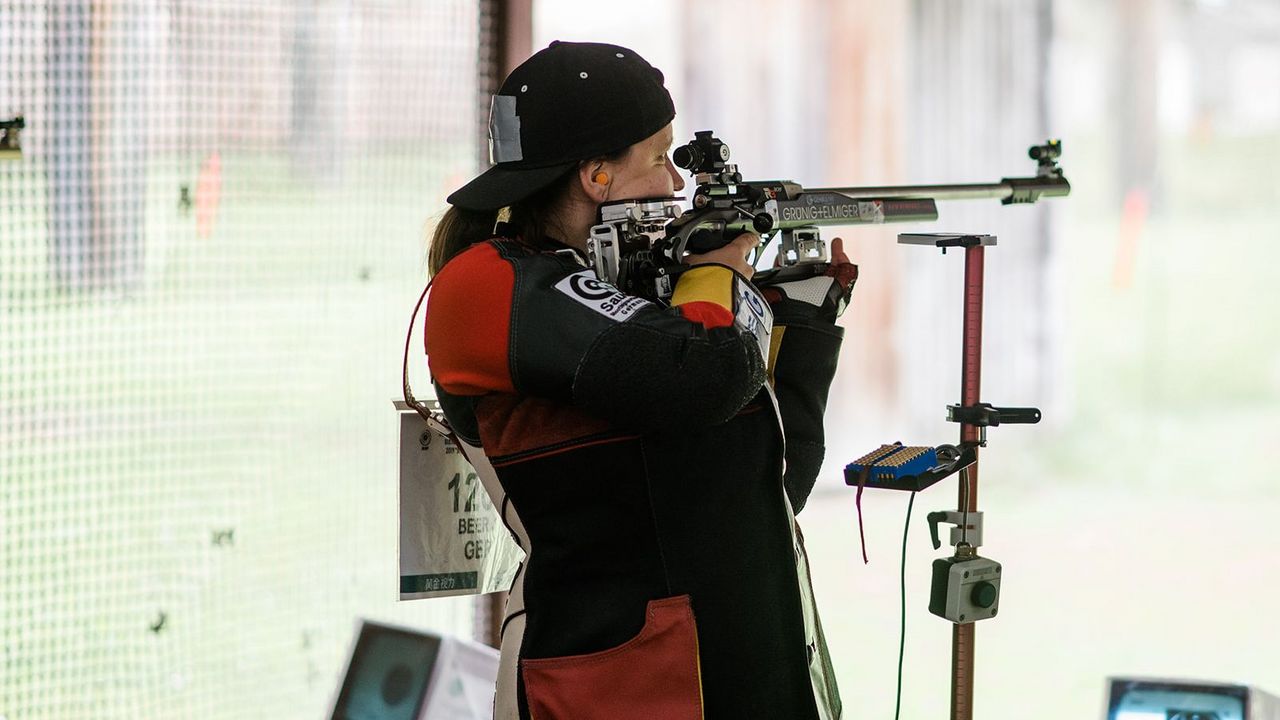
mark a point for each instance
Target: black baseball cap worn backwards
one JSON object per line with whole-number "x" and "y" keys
{"x": 567, "y": 103}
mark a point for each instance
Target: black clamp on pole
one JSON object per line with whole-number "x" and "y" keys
{"x": 984, "y": 415}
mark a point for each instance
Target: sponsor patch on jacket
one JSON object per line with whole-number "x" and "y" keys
{"x": 600, "y": 296}
{"x": 753, "y": 315}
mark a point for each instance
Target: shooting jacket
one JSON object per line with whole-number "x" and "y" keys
{"x": 636, "y": 452}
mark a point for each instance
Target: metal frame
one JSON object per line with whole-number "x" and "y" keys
{"x": 506, "y": 39}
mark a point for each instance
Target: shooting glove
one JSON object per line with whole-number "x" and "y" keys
{"x": 826, "y": 292}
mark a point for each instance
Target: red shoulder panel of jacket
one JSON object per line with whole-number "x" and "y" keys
{"x": 468, "y": 323}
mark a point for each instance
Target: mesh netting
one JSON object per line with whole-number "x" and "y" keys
{"x": 208, "y": 253}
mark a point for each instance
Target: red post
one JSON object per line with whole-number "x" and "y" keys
{"x": 962, "y": 636}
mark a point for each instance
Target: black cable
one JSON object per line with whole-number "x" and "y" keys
{"x": 902, "y": 638}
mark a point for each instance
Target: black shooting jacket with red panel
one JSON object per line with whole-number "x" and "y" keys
{"x": 636, "y": 452}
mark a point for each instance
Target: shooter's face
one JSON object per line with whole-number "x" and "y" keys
{"x": 646, "y": 171}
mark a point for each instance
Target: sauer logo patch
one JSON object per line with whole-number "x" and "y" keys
{"x": 600, "y": 296}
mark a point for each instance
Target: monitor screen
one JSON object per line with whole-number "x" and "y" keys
{"x": 1133, "y": 699}
{"x": 388, "y": 675}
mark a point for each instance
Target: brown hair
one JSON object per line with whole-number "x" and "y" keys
{"x": 460, "y": 228}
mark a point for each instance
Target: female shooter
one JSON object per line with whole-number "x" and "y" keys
{"x": 636, "y": 451}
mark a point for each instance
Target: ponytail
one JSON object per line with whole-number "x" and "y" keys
{"x": 530, "y": 219}
{"x": 461, "y": 228}
{"x": 456, "y": 231}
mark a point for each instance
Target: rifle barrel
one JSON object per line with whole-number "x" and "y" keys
{"x": 970, "y": 191}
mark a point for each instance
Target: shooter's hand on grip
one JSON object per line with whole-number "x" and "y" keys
{"x": 733, "y": 255}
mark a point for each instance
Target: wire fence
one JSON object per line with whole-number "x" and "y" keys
{"x": 208, "y": 252}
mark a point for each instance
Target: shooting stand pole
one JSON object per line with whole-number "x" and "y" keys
{"x": 974, "y": 417}
{"x": 962, "y": 635}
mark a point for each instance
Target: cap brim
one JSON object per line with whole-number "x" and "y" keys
{"x": 500, "y": 186}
